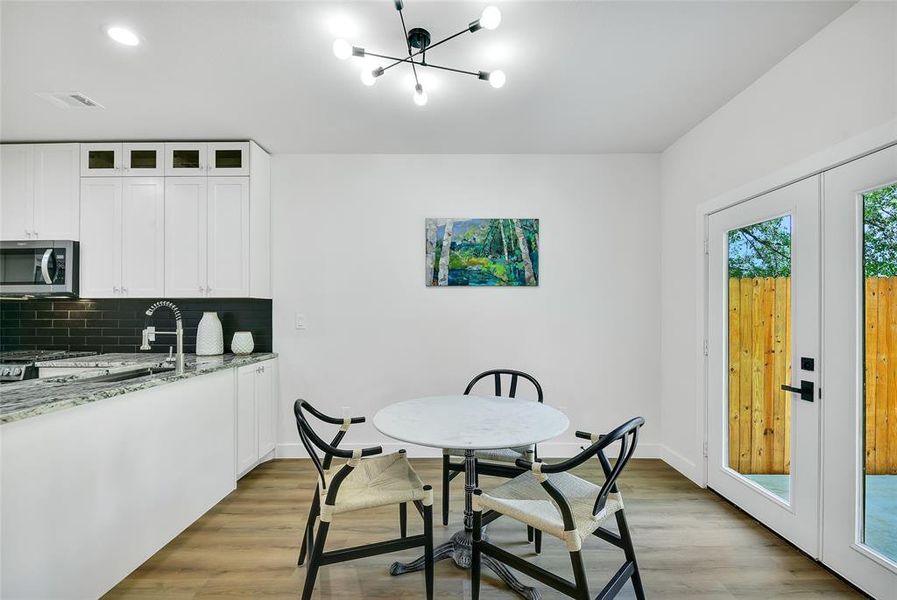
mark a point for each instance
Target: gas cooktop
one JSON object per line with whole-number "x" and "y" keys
{"x": 19, "y": 365}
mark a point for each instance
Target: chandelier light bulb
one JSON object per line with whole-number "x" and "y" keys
{"x": 342, "y": 49}
{"x": 420, "y": 96}
{"x": 497, "y": 78}
{"x": 367, "y": 78}
{"x": 491, "y": 18}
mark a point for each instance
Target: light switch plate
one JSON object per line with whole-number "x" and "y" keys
{"x": 300, "y": 321}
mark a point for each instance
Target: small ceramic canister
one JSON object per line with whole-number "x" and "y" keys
{"x": 242, "y": 343}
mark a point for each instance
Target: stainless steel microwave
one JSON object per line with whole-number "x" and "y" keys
{"x": 39, "y": 268}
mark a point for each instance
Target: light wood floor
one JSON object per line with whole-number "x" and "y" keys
{"x": 690, "y": 544}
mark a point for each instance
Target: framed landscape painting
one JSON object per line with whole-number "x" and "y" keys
{"x": 482, "y": 252}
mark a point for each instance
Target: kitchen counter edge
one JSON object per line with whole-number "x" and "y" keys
{"x": 37, "y": 397}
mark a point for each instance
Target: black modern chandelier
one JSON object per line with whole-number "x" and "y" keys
{"x": 418, "y": 42}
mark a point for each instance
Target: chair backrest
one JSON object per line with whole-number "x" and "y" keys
{"x": 497, "y": 374}
{"x": 627, "y": 434}
{"x": 312, "y": 441}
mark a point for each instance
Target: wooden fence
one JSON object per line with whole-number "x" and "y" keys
{"x": 760, "y": 361}
{"x": 881, "y": 375}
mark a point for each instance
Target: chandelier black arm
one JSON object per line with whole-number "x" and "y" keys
{"x": 407, "y": 43}
{"x": 431, "y": 46}
{"x": 411, "y": 56}
{"x": 399, "y": 61}
{"x": 432, "y": 66}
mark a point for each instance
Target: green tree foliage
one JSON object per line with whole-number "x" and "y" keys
{"x": 880, "y": 232}
{"x": 761, "y": 250}
{"x": 764, "y": 249}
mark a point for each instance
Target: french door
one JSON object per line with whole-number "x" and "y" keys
{"x": 802, "y": 293}
{"x": 859, "y": 488}
{"x": 763, "y": 334}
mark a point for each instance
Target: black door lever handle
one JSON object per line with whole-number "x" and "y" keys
{"x": 805, "y": 390}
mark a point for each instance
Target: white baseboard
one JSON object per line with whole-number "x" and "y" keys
{"x": 548, "y": 450}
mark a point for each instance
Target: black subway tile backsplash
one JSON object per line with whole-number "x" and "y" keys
{"x": 115, "y": 325}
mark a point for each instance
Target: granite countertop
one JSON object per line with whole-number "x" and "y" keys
{"x": 34, "y": 397}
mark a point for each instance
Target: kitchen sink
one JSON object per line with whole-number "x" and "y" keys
{"x": 131, "y": 374}
{"x": 121, "y": 374}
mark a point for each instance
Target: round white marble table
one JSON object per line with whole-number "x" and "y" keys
{"x": 470, "y": 423}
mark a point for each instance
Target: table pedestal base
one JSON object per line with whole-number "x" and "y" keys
{"x": 458, "y": 549}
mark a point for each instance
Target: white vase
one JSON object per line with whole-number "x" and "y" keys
{"x": 242, "y": 343}
{"x": 209, "y": 335}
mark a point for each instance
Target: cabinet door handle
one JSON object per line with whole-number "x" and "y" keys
{"x": 124, "y": 290}
{"x": 115, "y": 289}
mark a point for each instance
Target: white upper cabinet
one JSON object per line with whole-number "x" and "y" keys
{"x": 186, "y": 158}
{"x": 101, "y": 159}
{"x": 207, "y": 237}
{"x": 228, "y": 158}
{"x": 101, "y": 237}
{"x": 182, "y": 219}
{"x": 143, "y": 159}
{"x": 56, "y": 198}
{"x": 185, "y": 236}
{"x": 143, "y": 237}
{"x": 228, "y": 237}
{"x": 40, "y": 197}
{"x": 123, "y": 237}
{"x": 259, "y": 223}
{"x": 17, "y": 192}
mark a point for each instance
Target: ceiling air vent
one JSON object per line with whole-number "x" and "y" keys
{"x": 69, "y": 99}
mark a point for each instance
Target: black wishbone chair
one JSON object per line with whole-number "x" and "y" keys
{"x": 359, "y": 483}
{"x": 567, "y": 507}
{"x": 498, "y": 463}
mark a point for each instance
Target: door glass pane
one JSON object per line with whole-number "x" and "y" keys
{"x": 143, "y": 159}
{"x": 101, "y": 159}
{"x": 880, "y": 385}
{"x": 185, "y": 159}
{"x": 228, "y": 159}
{"x": 759, "y": 305}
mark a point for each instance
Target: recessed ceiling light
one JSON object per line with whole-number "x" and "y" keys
{"x": 123, "y": 36}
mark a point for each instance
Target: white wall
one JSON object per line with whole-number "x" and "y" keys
{"x": 838, "y": 85}
{"x": 349, "y": 254}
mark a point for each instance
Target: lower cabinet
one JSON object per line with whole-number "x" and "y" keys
{"x": 256, "y": 414}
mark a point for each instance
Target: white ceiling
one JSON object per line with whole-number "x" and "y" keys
{"x": 583, "y": 77}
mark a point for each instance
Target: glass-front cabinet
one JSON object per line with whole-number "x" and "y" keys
{"x": 186, "y": 158}
{"x": 143, "y": 159}
{"x": 101, "y": 159}
{"x": 228, "y": 158}
{"x": 212, "y": 158}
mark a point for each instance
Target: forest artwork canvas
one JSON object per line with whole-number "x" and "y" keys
{"x": 482, "y": 252}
